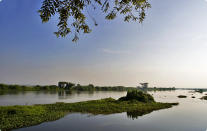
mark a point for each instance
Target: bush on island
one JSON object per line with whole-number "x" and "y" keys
{"x": 138, "y": 96}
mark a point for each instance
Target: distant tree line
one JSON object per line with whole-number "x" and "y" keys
{"x": 78, "y": 87}
{"x": 91, "y": 87}
{"x": 70, "y": 86}
{"x": 27, "y": 88}
{"x": 161, "y": 89}
{"x": 100, "y": 88}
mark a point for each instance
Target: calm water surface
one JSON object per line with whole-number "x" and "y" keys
{"x": 46, "y": 97}
{"x": 189, "y": 115}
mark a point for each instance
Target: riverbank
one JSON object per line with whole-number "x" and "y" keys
{"x": 77, "y": 87}
{"x": 13, "y": 117}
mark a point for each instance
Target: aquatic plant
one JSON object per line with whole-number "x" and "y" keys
{"x": 199, "y": 90}
{"x": 13, "y": 117}
{"x": 161, "y": 89}
{"x": 204, "y": 98}
{"x": 137, "y": 95}
{"x": 182, "y": 96}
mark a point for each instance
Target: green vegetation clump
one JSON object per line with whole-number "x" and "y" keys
{"x": 138, "y": 96}
{"x": 13, "y": 117}
{"x": 204, "y": 98}
{"x": 182, "y": 96}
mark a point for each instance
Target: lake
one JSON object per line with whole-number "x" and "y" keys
{"x": 189, "y": 115}
{"x": 46, "y": 97}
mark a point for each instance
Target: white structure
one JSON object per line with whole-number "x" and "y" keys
{"x": 144, "y": 85}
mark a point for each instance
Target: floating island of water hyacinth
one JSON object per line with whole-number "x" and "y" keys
{"x": 182, "y": 96}
{"x": 204, "y": 98}
{"x": 135, "y": 103}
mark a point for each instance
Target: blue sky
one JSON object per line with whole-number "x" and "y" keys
{"x": 168, "y": 49}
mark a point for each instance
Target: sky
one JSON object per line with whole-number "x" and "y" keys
{"x": 169, "y": 49}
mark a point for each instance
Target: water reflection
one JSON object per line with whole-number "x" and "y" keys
{"x": 53, "y": 96}
{"x": 64, "y": 94}
{"x": 11, "y": 92}
{"x": 187, "y": 116}
{"x": 135, "y": 114}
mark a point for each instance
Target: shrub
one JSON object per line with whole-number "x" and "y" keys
{"x": 137, "y": 95}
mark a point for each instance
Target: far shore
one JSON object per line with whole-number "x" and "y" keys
{"x": 78, "y": 87}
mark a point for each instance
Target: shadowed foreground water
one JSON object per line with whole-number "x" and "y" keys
{"x": 190, "y": 115}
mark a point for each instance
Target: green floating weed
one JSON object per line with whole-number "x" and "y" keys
{"x": 135, "y": 104}
{"x": 182, "y": 96}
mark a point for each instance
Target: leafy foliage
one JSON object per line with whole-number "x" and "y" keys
{"x": 72, "y": 13}
{"x": 138, "y": 96}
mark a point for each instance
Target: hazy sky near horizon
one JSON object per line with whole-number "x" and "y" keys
{"x": 168, "y": 49}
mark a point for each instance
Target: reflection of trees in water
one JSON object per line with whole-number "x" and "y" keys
{"x": 68, "y": 94}
{"x": 17, "y": 92}
{"x": 135, "y": 114}
{"x": 64, "y": 94}
{"x": 89, "y": 93}
{"x": 10, "y": 92}
{"x": 45, "y": 92}
{"x": 162, "y": 89}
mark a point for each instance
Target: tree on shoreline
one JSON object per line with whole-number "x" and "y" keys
{"x": 72, "y": 13}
